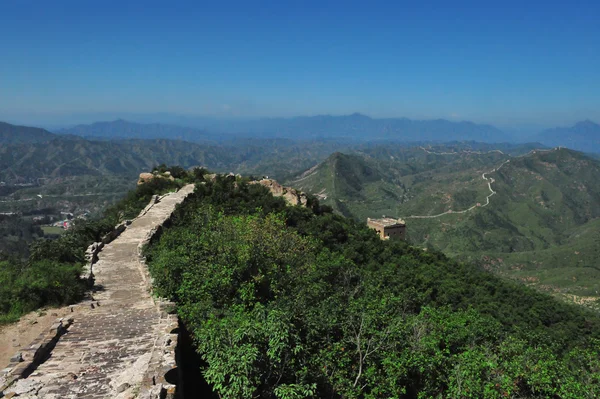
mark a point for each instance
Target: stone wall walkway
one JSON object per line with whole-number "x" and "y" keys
{"x": 118, "y": 336}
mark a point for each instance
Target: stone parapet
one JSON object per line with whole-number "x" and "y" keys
{"x": 121, "y": 342}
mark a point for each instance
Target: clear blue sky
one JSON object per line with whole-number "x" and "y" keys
{"x": 502, "y": 62}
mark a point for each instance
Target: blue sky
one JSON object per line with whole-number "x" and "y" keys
{"x": 508, "y": 63}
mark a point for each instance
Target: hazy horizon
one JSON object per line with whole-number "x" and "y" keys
{"x": 60, "y": 121}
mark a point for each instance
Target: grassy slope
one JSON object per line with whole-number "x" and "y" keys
{"x": 402, "y": 182}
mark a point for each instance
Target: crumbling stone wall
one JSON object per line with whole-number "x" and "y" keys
{"x": 291, "y": 195}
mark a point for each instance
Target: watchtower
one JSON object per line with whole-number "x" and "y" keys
{"x": 388, "y": 228}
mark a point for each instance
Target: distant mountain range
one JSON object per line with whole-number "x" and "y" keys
{"x": 28, "y": 154}
{"x": 363, "y": 128}
{"x": 267, "y": 146}
{"x": 583, "y": 136}
{"x": 122, "y": 129}
{"x": 62, "y": 157}
{"x": 356, "y": 127}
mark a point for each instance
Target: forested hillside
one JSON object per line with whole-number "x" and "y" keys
{"x": 13, "y": 134}
{"x": 293, "y": 302}
{"x": 51, "y": 177}
{"x": 538, "y": 226}
{"x": 16, "y": 233}
{"x": 534, "y": 229}
{"x": 29, "y": 160}
{"x": 77, "y": 157}
{"x": 400, "y": 180}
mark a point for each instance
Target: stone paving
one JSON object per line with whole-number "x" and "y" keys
{"x": 112, "y": 343}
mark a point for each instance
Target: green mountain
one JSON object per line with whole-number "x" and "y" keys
{"x": 39, "y": 154}
{"x": 75, "y": 157}
{"x": 13, "y": 134}
{"x": 539, "y": 226}
{"x": 72, "y": 175}
{"x": 342, "y": 176}
{"x": 393, "y": 175}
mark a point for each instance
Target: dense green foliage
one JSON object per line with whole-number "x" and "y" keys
{"x": 15, "y": 233}
{"x": 292, "y": 302}
{"x": 51, "y": 274}
{"x": 29, "y": 286}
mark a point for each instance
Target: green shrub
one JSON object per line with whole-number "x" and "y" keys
{"x": 292, "y": 302}
{"x": 26, "y": 287}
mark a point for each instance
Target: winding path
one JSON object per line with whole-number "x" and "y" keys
{"x": 489, "y": 180}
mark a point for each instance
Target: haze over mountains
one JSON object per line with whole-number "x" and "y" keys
{"x": 582, "y": 136}
{"x": 277, "y": 146}
{"x": 252, "y": 137}
{"x": 364, "y": 128}
{"x": 357, "y": 127}
{"x": 13, "y": 134}
{"x": 122, "y": 129}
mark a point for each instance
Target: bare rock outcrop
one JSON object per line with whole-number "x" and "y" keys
{"x": 145, "y": 177}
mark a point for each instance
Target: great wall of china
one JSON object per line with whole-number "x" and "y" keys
{"x": 488, "y": 180}
{"x": 121, "y": 341}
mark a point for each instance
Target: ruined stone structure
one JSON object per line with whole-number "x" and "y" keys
{"x": 146, "y": 177}
{"x": 291, "y": 195}
{"x": 118, "y": 344}
{"x": 388, "y": 228}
